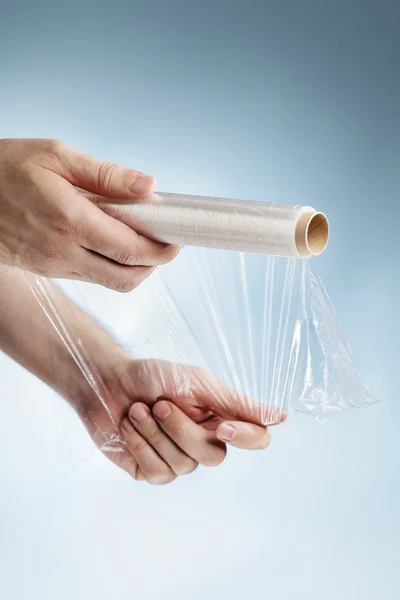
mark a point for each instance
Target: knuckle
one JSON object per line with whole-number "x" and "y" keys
{"x": 127, "y": 256}
{"x": 175, "y": 427}
{"x": 140, "y": 258}
{"x": 62, "y": 224}
{"x": 161, "y": 479}
{"x": 49, "y": 258}
{"x": 53, "y": 146}
{"x": 155, "y": 436}
{"x": 119, "y": 284}
{"x": 214, "y": 457}
{"x": 67, "y": 218}
{"x": 105, "y": 175}
{"x": 128, "y": 281}
{"x": 138, "y": 446}
{"x": 185, "y": 467}
{"x": 53, "y": 154}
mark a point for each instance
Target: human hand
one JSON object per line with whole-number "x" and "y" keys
{"x": 49, "y": 228}
{"x": 104, "y": 387}
{"x": 159, "y": 420}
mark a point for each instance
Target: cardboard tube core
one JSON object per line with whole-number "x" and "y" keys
{"x": 312, "y": 234}
{"x": 317, "y": 234}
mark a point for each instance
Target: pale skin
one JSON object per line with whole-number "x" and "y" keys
{"x": 164, "y": 419}
{"x": 49, "y": 227}
{"x": 167, "y": 429}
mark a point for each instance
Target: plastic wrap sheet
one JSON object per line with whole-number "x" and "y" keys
{"x": 226, "y": 330}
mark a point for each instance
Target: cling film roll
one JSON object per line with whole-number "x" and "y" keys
{"x": 219, "y": 223}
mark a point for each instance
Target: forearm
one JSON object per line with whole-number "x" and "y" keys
{"x": 28, "y": 336}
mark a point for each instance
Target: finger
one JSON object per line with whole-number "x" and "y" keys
{"x": 127, "y": 462}
{"x": 154, "y": 468}
{"x": 109, "y": 237}
{"x": 146, "y": 425}
{"x": 97, "y": 269}
{"x": 102, "y": 177}
{"x": 194, "y": 440}
{"x": 230, "y": 404}
{"x": 244, "y": 435}
{"x": 124, "y": 460}
{"x": 227, "y": 403}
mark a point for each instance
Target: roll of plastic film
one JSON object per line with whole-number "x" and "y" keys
{"x": 247, "y": 226}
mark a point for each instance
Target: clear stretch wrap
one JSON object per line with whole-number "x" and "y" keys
{"x": 220, "y": 333}
{"x": 266, "y": 228}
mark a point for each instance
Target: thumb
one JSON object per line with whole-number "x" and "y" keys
{"x": 104, "y": 178}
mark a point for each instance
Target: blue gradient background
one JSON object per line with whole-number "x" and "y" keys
{"x": 295, "y": 101}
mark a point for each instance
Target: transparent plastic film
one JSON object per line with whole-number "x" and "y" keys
{"x": 243, "y": 225}
{"x": 222, "y": 334}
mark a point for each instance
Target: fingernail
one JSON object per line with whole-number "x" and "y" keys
{"x": 226, "y": 432}
{"x": 162, "y": 410}
{"x": 142, "y": 183}
{"x": 138, "y": 412}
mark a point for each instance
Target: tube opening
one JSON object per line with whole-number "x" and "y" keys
{"x": 317, "y": 234}
{"x": 312, "y": 234}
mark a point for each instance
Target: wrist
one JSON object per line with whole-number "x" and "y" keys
{"x": 90, "y": 377}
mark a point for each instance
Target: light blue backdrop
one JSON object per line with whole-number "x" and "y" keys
{"x": 295, "y": 101}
